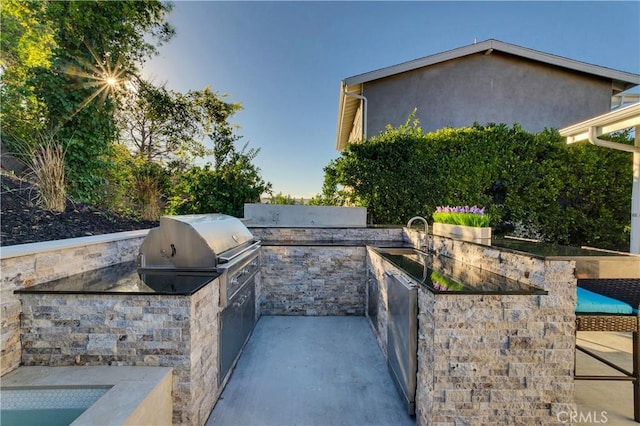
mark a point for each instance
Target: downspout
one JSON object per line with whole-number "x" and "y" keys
{"x": 634, "y": 246}
{"x": 364, "y": 110}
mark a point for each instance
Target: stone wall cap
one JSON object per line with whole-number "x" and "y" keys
{"x": 45, "y": 246}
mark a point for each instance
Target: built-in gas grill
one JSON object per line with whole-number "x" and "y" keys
{"x": 202, "y": 244}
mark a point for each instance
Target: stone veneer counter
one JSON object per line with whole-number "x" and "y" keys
{"x": 444, "y": 275}
{"x": 338, "y": 243}
{"x": 591, "y": 263}
{"x": 488, "y": 358}
{"x": 317, "y": 271}
{"x": 67, "y": 324}
{"x": 548, "y": 250}
{"x": 483, "y": 359}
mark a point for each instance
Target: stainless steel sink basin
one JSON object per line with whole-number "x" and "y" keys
{"x": 415, "y": 262}
{"x": 446, "y": 275}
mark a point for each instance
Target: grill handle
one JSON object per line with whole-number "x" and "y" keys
{"x": 225, "y": 259}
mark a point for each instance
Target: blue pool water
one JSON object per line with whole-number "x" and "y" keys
{"x": 41, "y": 417}
{"x": 50, "y": 406}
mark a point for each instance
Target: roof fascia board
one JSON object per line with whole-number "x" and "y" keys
{"x": 340, "y": 116}
{"x": 499, "y": 46}
{"x": 568, "y": 63}
{"x": 418, "y": 63}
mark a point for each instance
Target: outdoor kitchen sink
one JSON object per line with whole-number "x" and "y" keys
{"x": 405, "y": 272}
{"x": 441, "y": 274}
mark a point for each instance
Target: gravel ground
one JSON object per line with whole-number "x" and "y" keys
{"x": 21, "y": 222}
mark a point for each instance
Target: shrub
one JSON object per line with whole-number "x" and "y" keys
{"x": 281, "y": 198}
{"x": 532, "y": 184}
{"x": 204, "y": 190}
{"x": 149, "y": 181}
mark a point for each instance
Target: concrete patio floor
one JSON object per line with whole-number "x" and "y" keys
{"x": 329, "y": 370}
{"x": 613, "y": 399}
{"x": 301, "y": 370}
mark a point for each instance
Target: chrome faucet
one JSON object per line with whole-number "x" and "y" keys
{"x": 426, "y": 229}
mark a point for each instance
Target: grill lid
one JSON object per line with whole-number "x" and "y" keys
{"x": 192, "y": 241}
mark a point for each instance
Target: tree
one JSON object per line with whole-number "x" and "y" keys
{"x": 159, "y": 124}
{"x": 285, "y": 199}
{"x": 26, "y": 42}
{"x": 233, "y": 181}
{"x": 94, "y": 44}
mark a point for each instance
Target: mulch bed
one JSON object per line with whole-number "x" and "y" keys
{"x": 23, "y": 222}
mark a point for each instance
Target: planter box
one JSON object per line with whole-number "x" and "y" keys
{"x": 461, "y": 232}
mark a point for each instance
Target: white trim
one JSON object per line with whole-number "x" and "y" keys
{"x": 613, "y": 121}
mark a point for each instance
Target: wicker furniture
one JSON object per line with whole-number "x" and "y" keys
{"x": 628, "y": 291}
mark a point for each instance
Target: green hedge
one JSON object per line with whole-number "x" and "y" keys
{"x": 532, "y": 185}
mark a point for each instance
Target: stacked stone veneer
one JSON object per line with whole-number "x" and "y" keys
{"x": 135, "y": 330}
{"x": 30, "y": 264}
{"x": 497, "y": 359}
{"x": 316, "y": 271}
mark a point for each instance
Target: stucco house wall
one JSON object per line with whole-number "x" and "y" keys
{"x": 486, "y": 82}
{"x": 481, "y": 88}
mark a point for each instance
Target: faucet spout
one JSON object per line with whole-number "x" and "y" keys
{"x": 426, "y": 228}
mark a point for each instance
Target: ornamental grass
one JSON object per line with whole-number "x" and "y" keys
{"x": 47, "y": 166}
{"x": 148, "y": 193}
{"x": 462, "y": 215}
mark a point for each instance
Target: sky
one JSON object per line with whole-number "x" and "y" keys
{"x": 284, "y": 61}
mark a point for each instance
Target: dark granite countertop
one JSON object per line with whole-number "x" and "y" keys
{"x": 553, "y": 251}
{"x": 124, "y": 279}
{"x": 336, "y": 243}
{"x": 444, "y": 275}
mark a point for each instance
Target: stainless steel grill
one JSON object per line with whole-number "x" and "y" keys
{"x": 203, "y": 242}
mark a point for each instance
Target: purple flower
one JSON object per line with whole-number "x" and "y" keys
{"x": 460, "y": 209}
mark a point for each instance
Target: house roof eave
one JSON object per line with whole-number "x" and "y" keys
{"x": 621, "y": 118}
{"x": 347, "y": 106}
{"x": 347, "y": 109}
{"x": 626, "y": 78}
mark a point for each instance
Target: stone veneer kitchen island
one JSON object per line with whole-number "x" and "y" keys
{"x": 489, "y": 358}
{"x": 110, "y": 317}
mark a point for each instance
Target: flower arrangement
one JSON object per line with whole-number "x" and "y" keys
{"x": 467, "y": 216}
